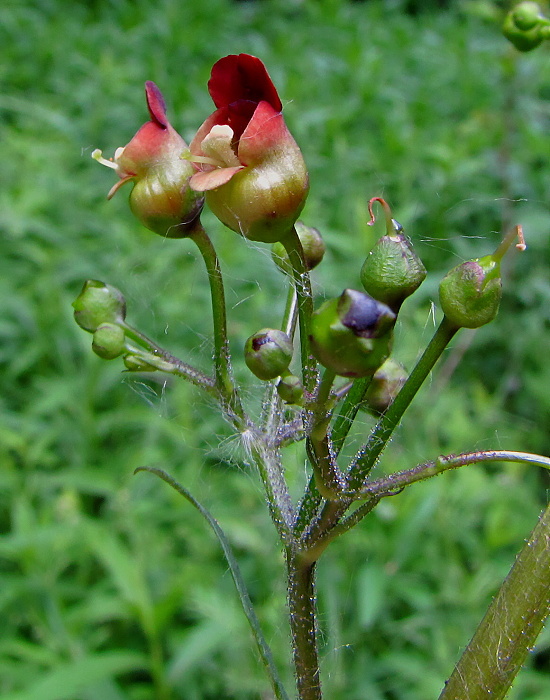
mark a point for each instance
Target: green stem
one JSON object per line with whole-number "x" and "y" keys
{"x": 301, "y": 603}
{"x": 222, "y": 360}
{"x": 347, "y": 413}
{"x": 271, "y": 402}
{"x": 383, "y": 430}
{"x": 328, "y": 477}
{"x": 389, "y": 485}
{"x": 268, "y": 462}
{"x": 173, "y": 364}
{"x": 510, "y": 627}
{"x": 369, "y": 453}
{"x": 302, "y": 286}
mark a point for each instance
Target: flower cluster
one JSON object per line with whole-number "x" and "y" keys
{"x": 243, "y": 160}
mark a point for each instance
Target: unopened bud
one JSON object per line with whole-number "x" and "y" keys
{"x": 525, "y": 26}
{"x": 312, "y": 243}
{"x": 98, "y": 303}
{"x": 108, "y": 341}
{"x": 384, "y": 387}
{"x": 351, "y": 335}
{"x": 470, "y": 293}
{"x": 291, "y": 390}
{"x": 392, "y": 270}
{"x": 268, "y": 353}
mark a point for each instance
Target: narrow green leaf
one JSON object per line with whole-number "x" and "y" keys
{"x": 263, "y": 647}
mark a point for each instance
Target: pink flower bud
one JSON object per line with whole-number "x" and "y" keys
{"x": 247, "y": 162}
{"x": 161, "y": 197}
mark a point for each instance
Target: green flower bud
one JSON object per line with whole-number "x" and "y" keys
{"x": 384, "y": 387}
{"x": 268, "y": 353}
{"x": 108, "y": 341}
{"x": 133, "y": 363}
{"x": 312, "y": 243}
{"x": 470, "y": 293}
{"x": 525, "y": 26}
{"x": 98, "y": 303}
{"x": 351, "y": 335}
{"x": 392, "y": 271}
{"x": 291, "y": 390}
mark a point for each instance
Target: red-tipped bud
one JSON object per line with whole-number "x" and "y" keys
{"x": 153, "y": 160}
{"x": 249, "y": 166}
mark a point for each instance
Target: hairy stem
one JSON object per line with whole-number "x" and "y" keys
{"x": 383, "y": 430}
{"x": 301, "y": 603}
{"x": 389, "y": 485}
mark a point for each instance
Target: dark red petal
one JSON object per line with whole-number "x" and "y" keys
{"x": 156, "y": 104}
{"x": 242, "y": 77}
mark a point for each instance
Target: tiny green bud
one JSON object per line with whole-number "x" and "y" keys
{"x": 312, "y": 243}
{"x": 290, "y": 389}
{"x": 351, "y": 335}
{"x": 525, "y": 26}
{"x": 470, "y": 293}
{"x": 108, "y": 341}
{"x": 133, "y": 363}
{"x": 268, "y": 353}
{"x": 98, "y": 303}
{"x": 392, "y": 270}
{"x": 384, "y": 387}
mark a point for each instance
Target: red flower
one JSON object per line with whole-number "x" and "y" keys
{"x": 161, "y": 197}
{"x": 248, "y": 163}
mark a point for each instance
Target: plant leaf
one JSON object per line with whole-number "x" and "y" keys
{"x": 263, "y": 647}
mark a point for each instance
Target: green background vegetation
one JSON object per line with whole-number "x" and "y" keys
{"x": 111, "y": 586}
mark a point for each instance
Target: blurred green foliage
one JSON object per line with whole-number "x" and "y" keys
{"x": 111, "y": 586}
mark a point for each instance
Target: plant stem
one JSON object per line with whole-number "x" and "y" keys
{"x": 268, "y": 461}
{"x": 222, "y": 360}
{"x": 302, "y": 286}
{"x": 328, "y": 477}
{"x": 347, "y": 414}
{"x": 383, "y": 430}
{"x": 174, "y": 364}
{"x": 388, "y": 485}
{"x": 301, "y": 603}
{"x": 510, "y": 627}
